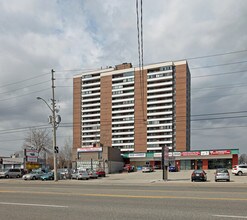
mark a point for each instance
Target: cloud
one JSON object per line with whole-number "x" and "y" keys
{"x": 37, "y": 36}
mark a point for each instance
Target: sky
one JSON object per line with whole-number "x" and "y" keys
{"x": 73, "y": 36}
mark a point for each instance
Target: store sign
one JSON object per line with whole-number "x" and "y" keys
{"x": 176, "y": 154}
{"x": 188, "y": 154}
{"x": 137, "y": 155}
{"x": 32, "y": 153}
{"x": 204, "y": 153}
{"x": 12, "y": 160}
{"x": 31, "y": 166}
{"x": 89, "y": 149}
{"x": 220, "y": 152}
{"x": 157, "y": 154}
{"x": 32, "y": 159}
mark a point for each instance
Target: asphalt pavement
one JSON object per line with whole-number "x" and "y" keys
{"x": 140, "y": 198}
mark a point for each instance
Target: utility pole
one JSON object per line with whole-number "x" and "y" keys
{"x": 165, "y": 162}
{"x": 54, "y": 121}
{"x": 54, "y": 126}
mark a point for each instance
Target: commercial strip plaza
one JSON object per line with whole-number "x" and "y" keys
{"x": 188, "y": 160}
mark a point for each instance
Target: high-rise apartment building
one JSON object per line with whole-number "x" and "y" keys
{"x": 135, "y": 110}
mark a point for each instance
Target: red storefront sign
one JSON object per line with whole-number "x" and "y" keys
{"x": 219, "y": 152}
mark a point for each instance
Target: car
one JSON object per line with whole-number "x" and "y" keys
{"x": 173, "y": 169}
{"x": 92, "y": 174}
{"x": 147, "y": 168}
{"x": 47, "y": 176}
{"x": 157, "y": 167}
{"x": 240, "y": 169}
{"x": 129, "y": 168}
{"x": 222, "y": 174}
{"x": 80, "y": 175}
{"x": 12, "y": 173}
{"x": 34, "y": 175}
{"x": 64, "y": 173}
{"x": 100, "y": 173}
{"x": 199, "y": 175}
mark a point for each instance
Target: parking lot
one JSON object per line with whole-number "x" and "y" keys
{"x": 148, "y": 178}
{"x": 173, "y": 177}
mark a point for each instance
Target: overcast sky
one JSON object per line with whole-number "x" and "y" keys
{"x": 69, "y": 35}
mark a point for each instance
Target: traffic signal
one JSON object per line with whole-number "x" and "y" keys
{"x": 56, "y": 150}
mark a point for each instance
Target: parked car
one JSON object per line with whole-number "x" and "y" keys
{"x": 34, "y": 175}
{"x": 92, "y": 174}
{"x": 157, "y": 167}
{"x": 129, "y": 168}
{"x": 64, "y": 173}
{"x": 147, "y": 168}
{"x": 222, "y": 174}
{"x": 47, "y": 176}
{"x": 199, "y": 175}
{"x": 173, "y": 169}
{"x": 12, "y": 173}
{"x": 80, "y": 175}
{"x": 100, "y": 173}
{"x": 239, "y": 169}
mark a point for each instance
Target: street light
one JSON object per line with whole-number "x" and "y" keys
{"x": 54, "y": 126}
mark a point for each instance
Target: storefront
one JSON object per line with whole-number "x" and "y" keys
{"x": 188, "y": 160}
{"x": 11, "y": 163}
{"x": 106, "y": 158}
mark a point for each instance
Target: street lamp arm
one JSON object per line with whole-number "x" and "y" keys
{"x": 39, "y": 98}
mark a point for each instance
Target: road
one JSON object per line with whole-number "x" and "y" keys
{"x": 83, "y": 200}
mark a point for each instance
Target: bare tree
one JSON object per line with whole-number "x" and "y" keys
{"x": 39, "y": 139}
{"x": 243, "y": 158}
{"x": 65, "y": 155}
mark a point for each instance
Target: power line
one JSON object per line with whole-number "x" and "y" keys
{"x": 138, "y": 33}
{"x": 225, "y": 127}
{"x": 220, "y": 96}
{"x": 21, "y": 129}
{"x": 23, "y": 95}
{"x": 77, "y": 70}
{"x": 205, "y": 119}
{"x": 217, "y": 74}
{"x": 25, "y": 87}
{"x": 21, "y": 81}
{"x": 142, "y": 37}
{"x": 215, "y": 55}
{"x": 66, "y": 125}
{"x": 223, "y": 64}
{"x": 222, "y": 86}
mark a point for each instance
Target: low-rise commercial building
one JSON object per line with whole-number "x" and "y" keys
{"x": 11, "y": 163}
{"x": 188, "y": 160}
{"x": 106, "y": 158}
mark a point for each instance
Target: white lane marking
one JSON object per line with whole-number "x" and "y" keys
{"x": 39, "y": 205}
{"x": 231, "y": 216}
